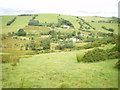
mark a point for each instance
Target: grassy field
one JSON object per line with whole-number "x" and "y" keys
{"x": 49, "y": 18}
{"x": 42, "y": 65}
{"x": 60, "y": 70}
{"x": 53, "y": 18}
{"x": 20, "y": 22}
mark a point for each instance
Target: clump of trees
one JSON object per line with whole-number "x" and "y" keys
{"x": 65, "y": 44}
{"x": 36, "y": 45}
{"x": 10, "y": 22}
{"x": 21, "y": 32}
{"x": 110, "y": 29}
{"x": 62, "y": 21}
{"x": 53, "y": 34}
{"x": 82, "y": 24}
{"x": 99, "y": 42}
{"x": 46, "y": 43}
{"x": 105, "y": 34}
{"x": 33, "y": 22}
{"x": 25, "y": 15}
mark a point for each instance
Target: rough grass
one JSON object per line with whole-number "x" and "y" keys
{"x": 60, "y": 70}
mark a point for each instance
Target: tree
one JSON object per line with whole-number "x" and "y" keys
{"x": 26, "y": 46}
{"x": 33, "y": 22}
{"x": 112, "y": 30}
{"x": 79, "y": 37}
{"x": 10, "y": 34}
{"x": 3, "y": 36}
{"x": 59, "y": 35}
{"x": 46, "y": 43}
{"x": 78, "y": 33}
{"x": 68, "y": 35}
{"x": 21, "y": 32}
{"x": 53, "y": 34}
{"x": 74, "y": 33}
{"x": 32, "y": 45}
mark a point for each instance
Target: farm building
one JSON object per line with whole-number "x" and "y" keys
{"x": 65, "y": 26}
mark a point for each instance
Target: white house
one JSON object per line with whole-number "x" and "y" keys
{"x": 74, "y": 39}
{"x": 82, "y": 34}
{"x": 65, "y": 26}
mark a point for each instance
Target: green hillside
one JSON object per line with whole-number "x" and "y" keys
{"x": 59, "y": 51}
{"x": 60, "y": 70}
{"x": 22, "y": 21}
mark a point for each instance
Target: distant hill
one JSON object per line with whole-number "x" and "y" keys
{"x": 79, "y": 22}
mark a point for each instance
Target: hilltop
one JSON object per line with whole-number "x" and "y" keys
{"x": 80, "y": 23}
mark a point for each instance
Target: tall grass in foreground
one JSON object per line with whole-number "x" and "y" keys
{"x": 10, "y": 58}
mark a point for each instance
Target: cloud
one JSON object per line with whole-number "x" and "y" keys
{"x": 69, "y": 7}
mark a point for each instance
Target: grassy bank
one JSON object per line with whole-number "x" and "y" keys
{"x": 60, "y": 70}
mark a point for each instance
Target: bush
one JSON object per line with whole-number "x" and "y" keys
{"x": 79, "y": 57}
{"x": 55, "y": 40}
{"x": 95, "y": 55}
{"x": 113, "y": 55}
{"x": 60, "y": 47}
{"x": 68, "y": 44}
{"x": 117, "y": 65}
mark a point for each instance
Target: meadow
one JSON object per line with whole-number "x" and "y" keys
{"x": 46, "y": 51}
{"x": 60, "y": 70}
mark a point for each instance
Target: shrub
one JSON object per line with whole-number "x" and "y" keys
{"x": 60, "y": 47}
{"x": 95, "y": 55}
{"x": 55, "y": 40}
{"x": 113, "y": 55}
{"x": 117, "y": 65}
{"x": 68, "y": 44}
{"x": 79, "y": 57}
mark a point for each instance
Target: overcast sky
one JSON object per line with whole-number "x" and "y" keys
{"x": 106, "y": 8}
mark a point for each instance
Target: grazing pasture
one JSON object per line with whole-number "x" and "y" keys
{"x": 60, "y": 70}
{"x": 39, "y": 52}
